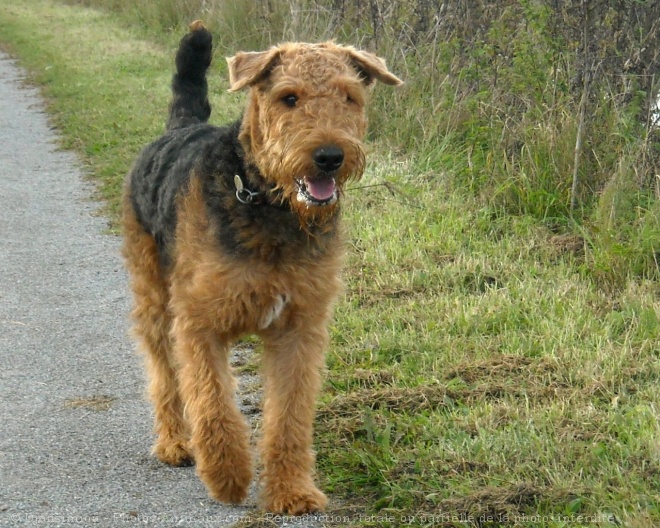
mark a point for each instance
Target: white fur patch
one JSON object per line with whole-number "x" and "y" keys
{"x": 275, "y": 311}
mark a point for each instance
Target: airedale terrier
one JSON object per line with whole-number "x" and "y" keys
{"x": 234, "y": 230}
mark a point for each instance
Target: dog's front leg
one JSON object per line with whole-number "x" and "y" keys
{"x": 220, "y": 436}
{"x": 293, "y": 362}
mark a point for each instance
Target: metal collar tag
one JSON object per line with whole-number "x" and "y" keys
{"x": 243, "y": 195}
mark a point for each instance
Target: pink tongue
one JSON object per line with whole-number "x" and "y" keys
{"x": 321, "y": 189}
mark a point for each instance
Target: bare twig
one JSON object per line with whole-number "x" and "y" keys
{"x": 583, "y": 102}
{"x": 393, "y": 190}
{"x": 578, "y": 141}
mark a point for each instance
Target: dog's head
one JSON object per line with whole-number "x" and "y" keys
{"x": 305, "y": 119}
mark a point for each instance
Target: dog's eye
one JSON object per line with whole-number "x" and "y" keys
{"x": 290, "y": 100}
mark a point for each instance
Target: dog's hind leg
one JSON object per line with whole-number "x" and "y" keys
{"x": 152, "y": 325}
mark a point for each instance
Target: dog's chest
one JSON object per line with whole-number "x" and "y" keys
{"x": 262, "y": 297}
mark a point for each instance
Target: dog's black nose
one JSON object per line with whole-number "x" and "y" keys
{"x": 328, "y": 158}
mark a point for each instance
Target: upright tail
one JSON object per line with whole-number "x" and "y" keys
{"x": 190, "y": 104}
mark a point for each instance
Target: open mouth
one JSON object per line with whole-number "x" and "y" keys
{"x": 317, "y": 191}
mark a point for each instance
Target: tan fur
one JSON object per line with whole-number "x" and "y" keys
{"x": 187, "y": 315}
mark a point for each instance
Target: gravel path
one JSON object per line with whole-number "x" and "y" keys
{"x": 75, "y": 428}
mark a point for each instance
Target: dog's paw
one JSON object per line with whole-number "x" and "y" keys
{"x": 295, "y": 500}
{"x": 229, "y": 485}
{"x": 173, "y": 452}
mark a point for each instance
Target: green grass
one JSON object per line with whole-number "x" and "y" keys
{"x": 479, "y": 367}
{"x": 476, "y": 369}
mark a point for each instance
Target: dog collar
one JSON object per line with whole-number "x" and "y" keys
{"x": 248, "y": 197}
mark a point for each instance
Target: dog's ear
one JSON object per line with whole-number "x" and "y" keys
{"x": 248, "y": 68}
{"x": 371, "y": 67}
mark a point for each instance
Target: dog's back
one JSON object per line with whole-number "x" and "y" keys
{"x": 164, "y": 167}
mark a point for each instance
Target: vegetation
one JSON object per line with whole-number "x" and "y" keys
{"x": 496, "y": 354}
